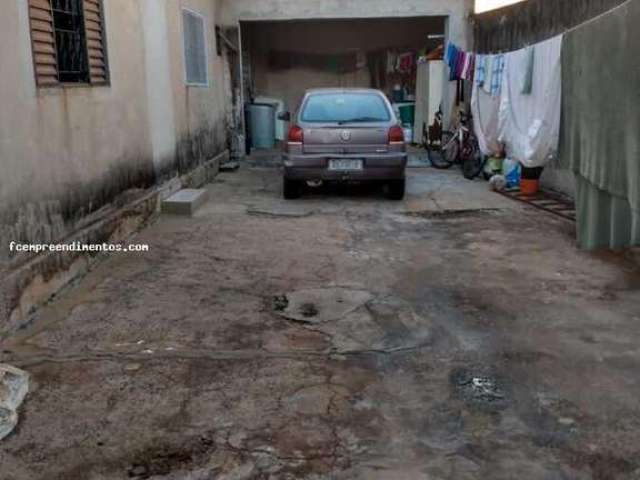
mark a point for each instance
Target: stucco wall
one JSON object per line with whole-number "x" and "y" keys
{"x": 522, "y": 24}
{"x": 458, "y": 27}
{"x": 200, "y": 112}
{"x": 328, "y": 37}
{"x": 457, "y": 10}
{"x": 72, "y": 156}
{"x": 66, "y": 152}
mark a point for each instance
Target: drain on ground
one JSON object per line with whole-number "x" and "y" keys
{"x": 480, "y": 387}
{"x": 280, "y": 303}
{"x": 308, "y": 310}
{"x": 453, "y": 214}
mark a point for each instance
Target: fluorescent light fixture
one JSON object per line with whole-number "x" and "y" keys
{"x": 485, "y": 5}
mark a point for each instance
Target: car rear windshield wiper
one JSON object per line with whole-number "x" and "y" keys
{"x": 360, "y": 120}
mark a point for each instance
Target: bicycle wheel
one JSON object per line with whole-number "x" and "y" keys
{"x": 447, "y": 155}
{"x": 473, "y": 161}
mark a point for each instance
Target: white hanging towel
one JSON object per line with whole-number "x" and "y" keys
{"x": 529, "y": 124}
{"x": 485, "y": 109}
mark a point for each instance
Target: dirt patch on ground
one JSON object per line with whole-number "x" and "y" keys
{"x": 363, "y": 342}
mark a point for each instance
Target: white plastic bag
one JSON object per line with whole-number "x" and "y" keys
{"x": 14, "y": 385}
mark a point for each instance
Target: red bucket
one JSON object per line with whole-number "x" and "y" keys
{"x": 529, "y": 187}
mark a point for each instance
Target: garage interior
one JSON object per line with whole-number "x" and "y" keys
{"x": 400, "y": 56}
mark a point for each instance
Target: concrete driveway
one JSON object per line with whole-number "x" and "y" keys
{"x": 455, "y": 335}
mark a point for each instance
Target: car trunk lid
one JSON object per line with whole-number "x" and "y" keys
{"x": 345, "y": 139}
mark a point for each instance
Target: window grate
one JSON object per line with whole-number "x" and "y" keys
{"x": 71, "y": 46}
{"x": 195, "y": 49}
{"x": 68, "y": 42}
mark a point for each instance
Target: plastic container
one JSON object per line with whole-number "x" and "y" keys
{"x": 282, "y": 127}
{"x": 407, "y": 113}
{"x": 528, "y": 186}
{"x": 512, "y": 172}
{"x": 408, "y": 133}
{"x": 534, "y": 173}
{"x": 262, "y": 125}
{"x": 398, "y": 94}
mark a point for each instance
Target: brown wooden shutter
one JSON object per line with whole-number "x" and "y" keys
{"x": 96, "y": 42}
{"x": 43, "y": 43}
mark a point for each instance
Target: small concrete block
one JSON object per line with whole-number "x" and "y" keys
{"x": 230, "y": 166}
{"x": 184, "y": 202}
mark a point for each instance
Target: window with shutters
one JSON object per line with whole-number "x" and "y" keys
{"x": 68, "y": 41}
{"x": 195, "y": 48}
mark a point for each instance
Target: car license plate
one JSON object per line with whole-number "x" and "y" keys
{"x": 345, "y": 164}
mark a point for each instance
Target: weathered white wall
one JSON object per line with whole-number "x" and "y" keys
{"x": 64, "y": 151}
{"x": 329, "y": 38}
{"x": 457, "y": 29}
{"x": 159, "y": 86}
{"x": 258, "y": 10}
{"x": 71, "y": 156}
{"x": 200, "y": 112}
{"x": 559, "y": 179}
{"x": 56, "y": 142}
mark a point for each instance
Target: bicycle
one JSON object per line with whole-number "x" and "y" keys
{"x": 458, "y": 147}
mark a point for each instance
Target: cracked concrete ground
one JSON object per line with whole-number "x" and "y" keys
{"x": 455, "y": 335}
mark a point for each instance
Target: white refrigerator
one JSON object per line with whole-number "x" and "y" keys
{"x": 429, "y": 83}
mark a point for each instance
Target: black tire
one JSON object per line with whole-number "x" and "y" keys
{"x": 438, "y": 161}
{"x": 473, "y": 166}
{"x": 396, "y": 189}
{"x": 447, "y": 156}
{"x": 291, "y": 189}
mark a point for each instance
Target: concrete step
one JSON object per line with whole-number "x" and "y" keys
{"x": 184, "y": 202}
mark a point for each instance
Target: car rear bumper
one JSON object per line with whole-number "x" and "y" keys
{"x": 316, "y": 167}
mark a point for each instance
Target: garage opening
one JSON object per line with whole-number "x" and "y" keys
{"x": 400, "y": 56}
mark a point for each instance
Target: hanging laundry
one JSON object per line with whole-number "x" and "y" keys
{"x": 466, "y": 65}
{"x": 480, "y": 69}
{"x": 470, "y": 67}
{"x": 497, "y": 72}
{"x": 452, "y": 60}
{"x": 460, "y": 64}
{"x": 488, "y": 73}
{"x": 391, "y": 62}
{"x": 450, "y": 55}
{"x": 529, "y": 124}
{"x": 485, "y": 109}
{"x": 406, "y": 62}
{"x": 527, "y": 78}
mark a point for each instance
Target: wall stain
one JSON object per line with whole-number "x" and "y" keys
{"x": 54, "y": 218}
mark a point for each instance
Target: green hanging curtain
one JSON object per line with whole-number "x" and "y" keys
{"x": 600, "y": 133}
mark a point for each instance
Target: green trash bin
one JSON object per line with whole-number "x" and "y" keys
{"x": 407, "y": 113}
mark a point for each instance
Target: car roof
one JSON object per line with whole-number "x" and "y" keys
{"x": 343, "y": 90}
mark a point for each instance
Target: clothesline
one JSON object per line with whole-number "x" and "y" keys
{"x": 515, "y": 99}
{"x": 486, "y": 70}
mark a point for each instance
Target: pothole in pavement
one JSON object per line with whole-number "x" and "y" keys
{"x": 480, "y": 387}
{"x": 356, "y": 321}
{"x": 320, "y": 305}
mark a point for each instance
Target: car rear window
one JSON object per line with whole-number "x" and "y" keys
{"x": 345, "y": 108}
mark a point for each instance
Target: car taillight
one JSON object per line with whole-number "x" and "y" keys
{"x": 396, "y": 135}
{"x": 296, "y": 134}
